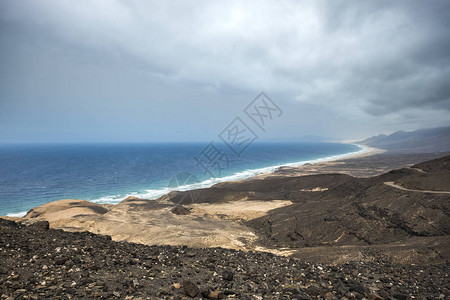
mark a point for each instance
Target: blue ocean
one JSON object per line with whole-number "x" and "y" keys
{"x": 31, "y": 175}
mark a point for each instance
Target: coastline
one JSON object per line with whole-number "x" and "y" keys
{"x": 258, "y": 172}
{"x": 364, "y": 152}
{"x": 235, "y": 214}
{"x": 250, "y": 174}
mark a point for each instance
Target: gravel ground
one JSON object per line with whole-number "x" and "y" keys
{"x": 37, "y": 262}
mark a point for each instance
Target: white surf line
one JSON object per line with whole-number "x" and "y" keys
{"x": 153, "y": 194}
{"x": 392, "y": 184}
{"x": 18, "y": 214}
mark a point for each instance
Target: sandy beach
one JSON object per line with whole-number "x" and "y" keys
{"x": 321, "y": 165}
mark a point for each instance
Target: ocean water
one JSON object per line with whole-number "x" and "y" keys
{"x": 31, "y": 175}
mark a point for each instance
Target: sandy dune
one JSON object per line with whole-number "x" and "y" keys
{"x": 153, "y": 223}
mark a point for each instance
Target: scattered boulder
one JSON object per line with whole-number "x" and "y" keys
{"x": 205, "y": 291}
{"x": 401, "y": 297}
{"x": 375, "y": 296}
{"x": 190, "y": 288}
{"x": 60, "y": 261}
{"x": 81, "y": 265}
{"x": 41, "y": 224}
{"x": 180, "y": 210}
{"x": 176, "y": 285}
{"x": 329, "y": 296}
{"x": 357, "y": 288}
{"x": 216, "y": 295}
{"x": 313, "y": 291}
{"x": 228, "y": 275}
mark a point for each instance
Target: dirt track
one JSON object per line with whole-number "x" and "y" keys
{"x": 392, "y": 184}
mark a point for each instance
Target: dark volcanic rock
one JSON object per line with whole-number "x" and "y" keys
{"x": 313, "y": 291}
{"x": 38, "y": 263}
{"x": 380, "y": 221}
{"x": 190, "y": 288}
{"x": 60, "y": 261}
{"x": 180, "y": 210}
{"x": 366, "y": 214}
{"x": 227, "y": 275}
{"x": 401, "y": 297}
{"x": 41, "y": 224}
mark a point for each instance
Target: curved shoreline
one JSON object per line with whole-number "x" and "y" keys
{"x": 243, "y": 175}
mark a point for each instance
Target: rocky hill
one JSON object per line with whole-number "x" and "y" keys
{"x": 402, "y": 215}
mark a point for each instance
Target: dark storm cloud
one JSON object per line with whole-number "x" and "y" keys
{"x": 402, "y": 60}
{"x": 357, "y": 59}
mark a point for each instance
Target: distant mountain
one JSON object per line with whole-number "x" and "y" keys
{"x": 418, "y": 141}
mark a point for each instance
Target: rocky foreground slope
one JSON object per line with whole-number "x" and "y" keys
{"x": 41, "y": 263}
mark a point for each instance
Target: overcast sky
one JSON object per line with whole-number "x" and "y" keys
{"x": 120, "y": 71}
